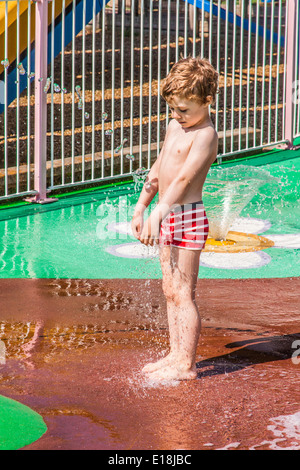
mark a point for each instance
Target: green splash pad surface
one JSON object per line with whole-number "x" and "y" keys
{"x": 75, "y": 237}
{"x": 19, "y": 425}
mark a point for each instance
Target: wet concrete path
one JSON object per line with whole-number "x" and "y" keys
{"x": 75, "y": 349}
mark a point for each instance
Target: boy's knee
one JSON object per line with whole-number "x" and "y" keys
{"x": 168, "y": 291}
{"x": 181, "y": 297}
{"x": 176, "y": 296}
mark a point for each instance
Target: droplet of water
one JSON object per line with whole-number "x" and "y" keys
{"x": 140, "y": 171}
{"x": 21, "y": 69}
{"x": 104, "y": 116}
{"x": 78, "y": 91}
{"x": 31, "y": 75}
{"x": 41, "y": 79}
{"x": 130, "y": 157}
{"x": 109, "y": 132}
{"x": 56, "y": 88}
{"x": 47, "y": 85}
{"x": 80, "y": 104}
{"x": 86, "y": 115}
{"x": 64, "y": 90}
{"x": 5, "y": 63}
{"x": 117, "y": 150}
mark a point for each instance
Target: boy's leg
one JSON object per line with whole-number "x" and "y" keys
{"x": 184, "y": 267}
{"x": 167, "y": 284}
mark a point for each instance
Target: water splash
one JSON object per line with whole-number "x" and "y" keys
{"x": 228, "y": 191}
{"x": 139, "y": 177}
{"x": 107, "y": 207}
{"x": 149, "y": 383}
{"x": 286, "y": 429}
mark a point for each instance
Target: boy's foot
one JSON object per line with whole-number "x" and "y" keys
{"x": 164, "y": 362}
{"x": 174, "y": 373}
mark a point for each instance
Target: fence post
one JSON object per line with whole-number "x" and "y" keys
{"x": 290, "y": 72}
{"x": 40, "y": 111}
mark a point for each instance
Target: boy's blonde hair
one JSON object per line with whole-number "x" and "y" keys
{"x": 191, "y": 78}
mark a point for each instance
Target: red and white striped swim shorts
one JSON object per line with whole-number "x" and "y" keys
{"x": 185, "y": 227}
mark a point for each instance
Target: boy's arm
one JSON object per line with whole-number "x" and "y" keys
{"x": 201, "y": 156}
{"x": 148, "y": 192}
{"x": 146, "y": 196}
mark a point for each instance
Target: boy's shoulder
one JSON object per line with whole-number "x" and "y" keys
{"x": 209, "y": 129}
{"x": 205, "y": 137}
{"x": 173, "y": 124}
{"x": 209, "y": 133}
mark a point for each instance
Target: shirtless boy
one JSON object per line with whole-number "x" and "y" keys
{"x": 178, "y": 223}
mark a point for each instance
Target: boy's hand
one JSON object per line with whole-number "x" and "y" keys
{"x": 150, "y": 232}
{"x": 137, "y": 224}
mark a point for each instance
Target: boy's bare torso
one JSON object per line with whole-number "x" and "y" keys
{"x": 175, "y": 151}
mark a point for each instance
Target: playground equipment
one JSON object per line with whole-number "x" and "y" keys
{"x": 217, "y": 10}
{"x": 21, "y": 17}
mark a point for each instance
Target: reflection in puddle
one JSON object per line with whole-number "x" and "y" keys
{"x": 69, "y": 315}
{"x": 33, "y": 342}
{"x": 107, "y": 300}
{"x": 75, "y": 287}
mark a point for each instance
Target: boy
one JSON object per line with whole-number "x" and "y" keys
{"x": 178, "y": 222}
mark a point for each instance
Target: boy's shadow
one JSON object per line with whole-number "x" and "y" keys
{"x": 253, "y": 351}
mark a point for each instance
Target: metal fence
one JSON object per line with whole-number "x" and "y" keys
{"x": 80, "y": 81}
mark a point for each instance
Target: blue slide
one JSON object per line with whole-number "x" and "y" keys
{"x": 208, "y": 7}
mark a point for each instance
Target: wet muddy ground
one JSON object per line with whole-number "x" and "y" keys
{"x": 75, "y": 350}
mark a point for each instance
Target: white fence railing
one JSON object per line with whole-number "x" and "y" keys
{"x": 80, "y": 102}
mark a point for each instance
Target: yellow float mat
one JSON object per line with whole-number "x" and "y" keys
{"x": 12, "y": 23}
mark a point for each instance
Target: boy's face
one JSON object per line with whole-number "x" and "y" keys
{"x": 187, "y": 113}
